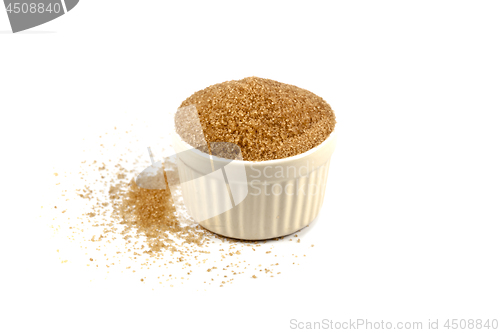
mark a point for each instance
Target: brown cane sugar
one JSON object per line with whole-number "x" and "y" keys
{"x": 267, "y": 119}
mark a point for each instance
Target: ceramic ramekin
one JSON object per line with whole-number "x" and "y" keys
{"x": 253, "y": 200}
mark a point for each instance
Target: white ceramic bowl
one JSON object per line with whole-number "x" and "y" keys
{"x": 254, "y": 200}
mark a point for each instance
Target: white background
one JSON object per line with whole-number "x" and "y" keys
{"x": 410, "y": 225}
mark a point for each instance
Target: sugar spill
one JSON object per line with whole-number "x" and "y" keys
{"x": 120, "y": 228}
